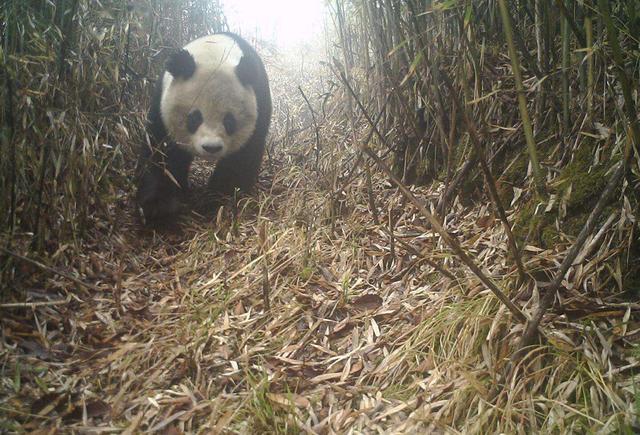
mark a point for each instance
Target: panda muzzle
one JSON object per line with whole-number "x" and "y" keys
{"x": 212, "y": 149}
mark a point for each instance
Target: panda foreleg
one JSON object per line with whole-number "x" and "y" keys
{"x": 158, "y": 194}
{"x": 238, "y": 170}
{"x": 178, "y": 164}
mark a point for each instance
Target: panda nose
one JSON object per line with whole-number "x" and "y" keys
{"x": 212, "y": 149}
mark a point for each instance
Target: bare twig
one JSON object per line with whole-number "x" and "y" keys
{"x": 490, "y": 182}
{"x": 315, "y": 126}
{"x": 372, "y": 124}
{"x": 423, "y": 256}
{"x": 36, "y": 304}
{"x": 348, "y": 179}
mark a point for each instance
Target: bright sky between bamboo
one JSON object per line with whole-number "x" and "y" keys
{"x": 285, "y": 22}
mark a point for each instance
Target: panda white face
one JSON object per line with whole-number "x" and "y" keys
{"x": 209, "y": 113}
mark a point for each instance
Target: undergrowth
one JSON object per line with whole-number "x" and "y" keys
{"x": 328, "y": 302}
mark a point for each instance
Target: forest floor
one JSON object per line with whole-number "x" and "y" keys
{"x": 295, "y": 311}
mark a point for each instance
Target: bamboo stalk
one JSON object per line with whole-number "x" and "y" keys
{"x": 522, "y": 102}
{"x": 570, "y": 21}
{"x": 9, "y": 137}
{"x": 541, "y": 54}
{"x": 495, "y": 198}
{"x": 588, "y": 27}
{"x": 490, "y": 182}
{"x": 565, "y": 77}
{"x": 629, "y": 105}
{"x": 532, "y": 326}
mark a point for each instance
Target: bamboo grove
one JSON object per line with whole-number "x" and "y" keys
{"x": 524, "y": 94}
{"x": 537, "y": 77}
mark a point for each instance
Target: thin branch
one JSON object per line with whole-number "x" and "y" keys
{"x": 423, "y": 256}
{"x": 36, "y": 304}
{"x": 315, "y": 125}
{"x": 490, "y": 181}
{"x": 373, "y": 125}
{"x": 493, "y": 194}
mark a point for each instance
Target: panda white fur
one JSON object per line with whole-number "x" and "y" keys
{"x": 213, "y": 102}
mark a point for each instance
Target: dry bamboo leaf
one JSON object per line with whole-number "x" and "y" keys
{"x": 135, "y": 423}
{"x": 239, "y": 308}
{"x": 166, "y": 422}
{"x": 426, "y": 365}
{"x": 368, "y": 302}
{"x": 325, "y": 377}
{"x": 289, "y": 400}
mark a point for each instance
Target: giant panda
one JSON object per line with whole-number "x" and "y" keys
{"x": 213, "y": 102}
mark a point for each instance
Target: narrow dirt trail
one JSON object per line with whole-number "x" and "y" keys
{"x": 360, "y": 332}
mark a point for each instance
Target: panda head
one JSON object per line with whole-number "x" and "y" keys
{"x": 208, "y": 104}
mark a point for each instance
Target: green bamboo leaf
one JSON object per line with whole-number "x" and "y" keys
{"x": 468, "y": 14}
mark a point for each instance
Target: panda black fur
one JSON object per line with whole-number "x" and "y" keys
{"x": 213, "y": 101}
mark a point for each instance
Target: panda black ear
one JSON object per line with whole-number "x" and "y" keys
{"x": 181, "y": 64}
{"x": 247, "y": 71}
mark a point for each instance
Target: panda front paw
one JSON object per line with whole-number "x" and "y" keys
{"x": 158, "y": 199}
{"x": 157, "y": 209}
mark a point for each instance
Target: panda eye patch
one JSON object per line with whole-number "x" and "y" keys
{"x": 194, "y": 119}
{"x": 229, "y": 122}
